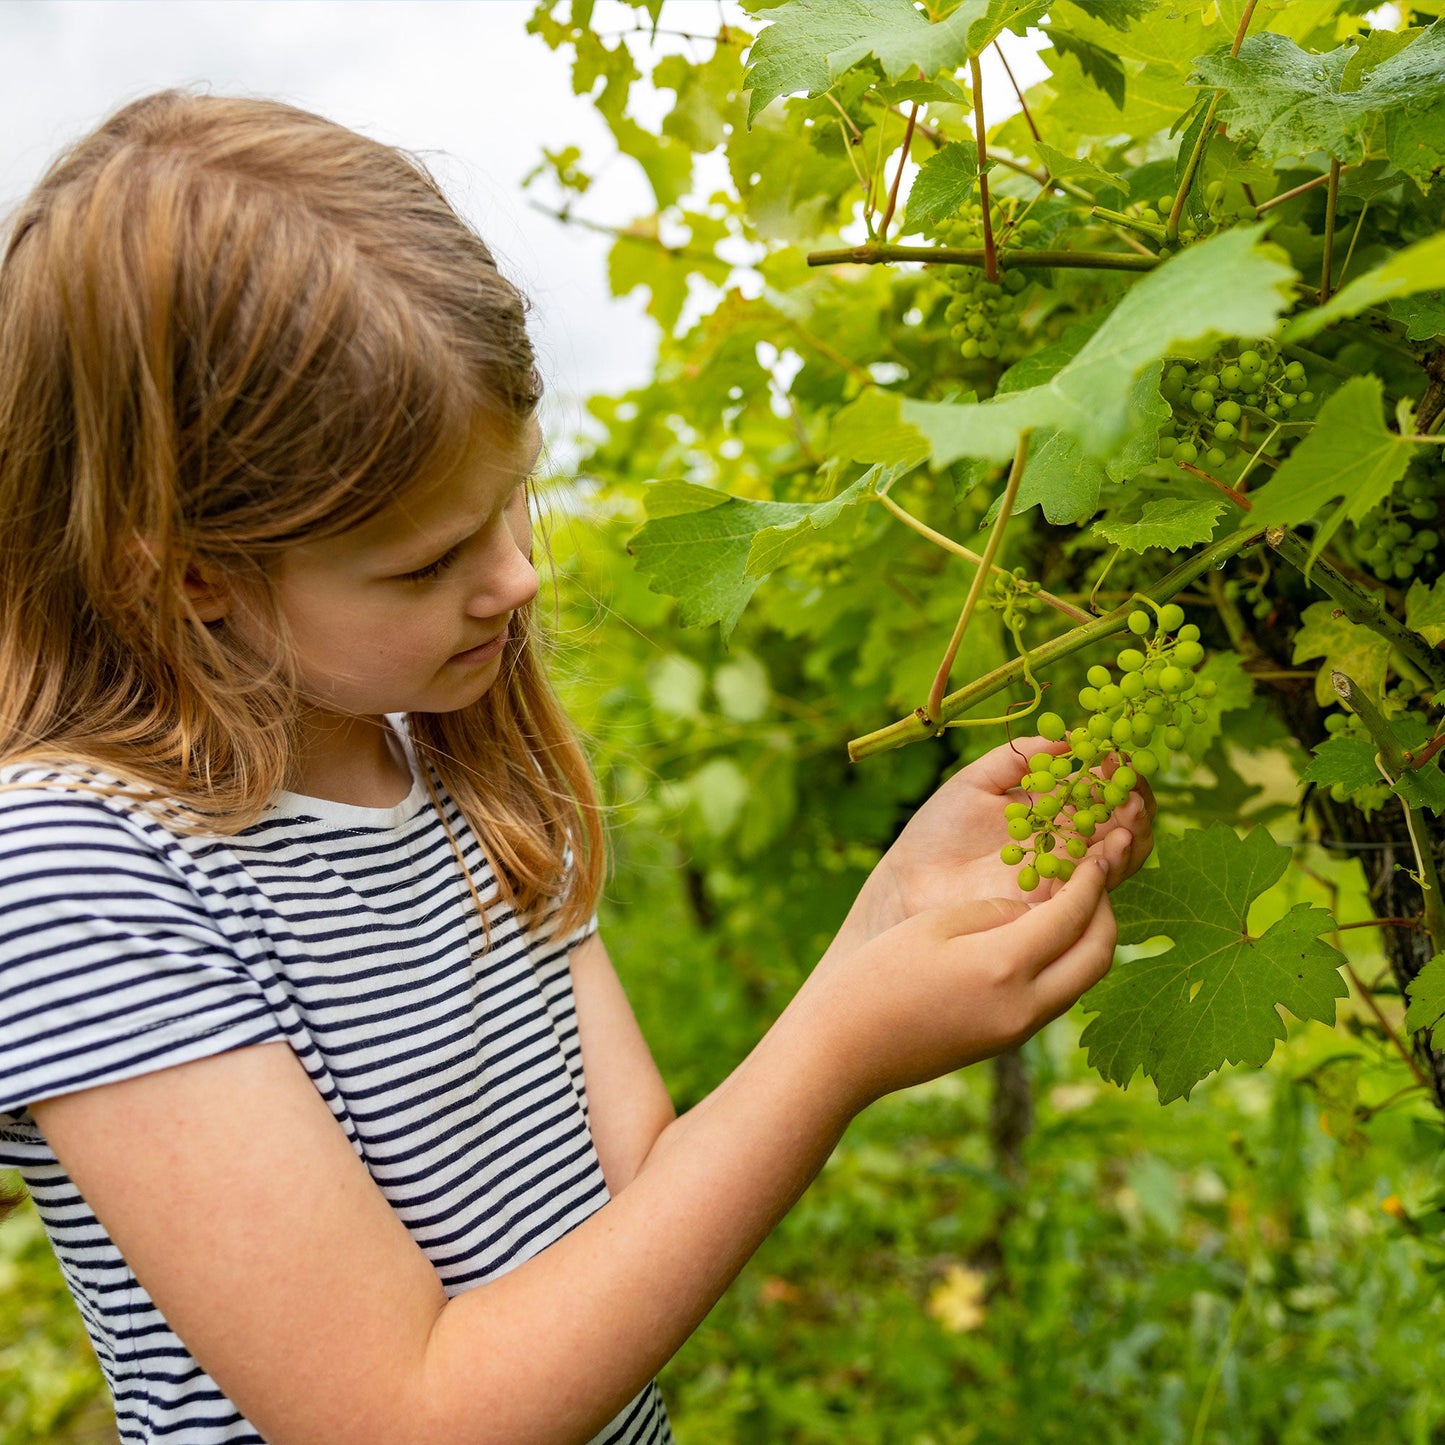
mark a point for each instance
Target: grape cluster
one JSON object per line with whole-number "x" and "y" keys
{"x": 1014, "y": 595}
{"x": 981, "y": 314}
{"x": 1399, "y": 539}
{"x": 1128, "y": 719}
{"x": 1210, "y": 402}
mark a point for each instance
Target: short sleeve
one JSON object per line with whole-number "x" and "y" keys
{"x": 111, "y": 966}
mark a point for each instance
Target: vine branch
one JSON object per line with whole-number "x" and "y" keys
{"x": 916, "y": 728}
{"x": 990, "y": 256}
{"x": 874, "y": 254}
{"x": 995, "y": 538}
{"x": 1359, "y": 605}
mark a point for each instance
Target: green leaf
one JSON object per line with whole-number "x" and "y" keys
{"x": 870, "y": 429}
{"x": 944, "y": 182}
{"x": 810, "y": 43}
{"x": 1359, "y": 651}
{"x": 711, "y": 550}
{"x": 1292, "y": 103}
{"x": 1069, "y": 168}
{"x": 1170, "y": 522}
{"x": 1344, "y": 761}
{"x": 1214, "y": 995}
{"x": 1098, "y": 64}
{"x": 1349, "y": 452}
{"x": 1425, "y": 610}
{"x": 1416, "y": 268}
{"x": 1229, "y": 285}
{"x": 1427, "y": 996}
{"x": 1423, "y": 315}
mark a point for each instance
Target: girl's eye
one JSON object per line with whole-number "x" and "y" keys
{"x": 433, "y": 569}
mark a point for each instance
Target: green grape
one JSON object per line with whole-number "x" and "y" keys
{"x": 1171, "y": 617}
{"x": 1144, "y": 762}
{"x": 1131, "y": 659}
{"x": 1100, "y": 676}
{"x": 1047, "y": 866}
{"x": 1019, "y": 829}
{"x": 1125, "y": 776}
{"x": 1140, "y": 622}
{"x": 1015, "y": 810}
{"x": 1066, "y": 870}
{"x": 1011, "y": 853}
{"x": 1174, "y": 738}
{"x": 1051, "y": 726}
{"x": 1076, "y": 847}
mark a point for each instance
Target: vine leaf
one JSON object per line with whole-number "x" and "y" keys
{"x": 810, "y": 43}
{"x": 1349, "y": 452}
{"x": 1427, "y": 996}
{"x": 1071, "y": 168}
{"x": 1425, "y": 610}
{"x": 944, "y": 182}
{"x": 1344, "y": 762}
{"x": 1213, "y": 997}
{"x": 1422, "y": 315}
{"x": 1416, "y": 268}
{"x": 1326, "y": 632}
{"x": 1170, "y": 522}
{"x": 1229, "y": 285}
{"x": 1292, "y": 103}
{"x": 710, "y": 550}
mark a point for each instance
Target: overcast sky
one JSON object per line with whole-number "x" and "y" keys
{"x": 458, "y": 80}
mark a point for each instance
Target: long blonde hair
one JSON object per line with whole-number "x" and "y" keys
{"x": 228, "y": 326}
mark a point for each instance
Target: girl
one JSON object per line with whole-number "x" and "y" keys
{"x": 310, "y": 1054}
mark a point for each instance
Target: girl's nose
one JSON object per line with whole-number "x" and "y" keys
{"x": 510, "y": 582}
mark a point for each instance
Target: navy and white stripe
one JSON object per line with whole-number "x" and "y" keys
{"x": 453, "y": 1066}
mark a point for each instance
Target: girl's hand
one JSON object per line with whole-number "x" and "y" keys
{"x": 949, "y": 852}
{"x": 956, "y": 984}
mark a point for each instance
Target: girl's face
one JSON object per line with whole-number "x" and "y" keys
{"x": 409, "y": 612}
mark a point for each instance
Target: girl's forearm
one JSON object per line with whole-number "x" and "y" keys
{"x": 584, "y": 1325}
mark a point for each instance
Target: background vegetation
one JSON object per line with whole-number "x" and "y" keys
{"x": 1026, "y": 1251}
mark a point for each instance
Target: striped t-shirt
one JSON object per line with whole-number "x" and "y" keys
{"x": 349, "y": 932}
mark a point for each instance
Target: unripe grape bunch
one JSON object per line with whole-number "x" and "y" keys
{"x": 1399, "y": 539}
{"x": 1132, "y": 719}
{"x": 1212, "y": 403}
{"x": 982, "y": 315}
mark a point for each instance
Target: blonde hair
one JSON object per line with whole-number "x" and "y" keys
{"x": 228, "y": 326}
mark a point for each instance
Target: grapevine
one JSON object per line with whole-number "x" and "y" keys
{"x": 1130, "y": 722}
{"x": 982, "y": 315}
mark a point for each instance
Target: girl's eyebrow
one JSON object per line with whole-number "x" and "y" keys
{"x": 441, "y": 550}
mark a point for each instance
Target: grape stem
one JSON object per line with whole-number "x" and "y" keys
{"x": 934, "y": 707}
{"x": 1359, "y": 605}
{"x": 990, "y": 256}
{"x": 1197, "y": 154}
{"x": 898, "y": 174}
{"x": 1391, "y": 762}
{"x": 1238, "y": 498}
{"x": 873, "y": 254}
{"x": 959, "y": 550}
{"x": 1331, "y": 204}
{"x": 917, "y": 727}
{"x": 1023, "y": 104}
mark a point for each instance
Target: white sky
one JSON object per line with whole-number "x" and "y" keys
{"x": 457, "y": 80}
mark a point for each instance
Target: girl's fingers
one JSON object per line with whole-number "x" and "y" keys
{"x": 1000, "y": 769}
{"x": 1079, "y": 967}
{"x": 1052, "y": 927}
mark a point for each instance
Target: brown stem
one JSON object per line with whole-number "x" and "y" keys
{"x": 1379, "y": 923}
{"x": 990, "y": 258}
{"x": 1024, "y": 105}
{"x": 1238, "y": 498}
{"x": 898, "y": 175}
{"x": 1320, "y": 180}
{"x": 1330, "y": 206}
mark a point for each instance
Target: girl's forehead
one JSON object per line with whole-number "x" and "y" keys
{"x": 489, "y": 469}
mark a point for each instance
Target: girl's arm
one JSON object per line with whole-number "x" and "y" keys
{"x": 627, "y": 1102}
{"x": 244, "y": 1212}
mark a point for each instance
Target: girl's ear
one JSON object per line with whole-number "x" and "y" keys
{"x": 206, "y": 590}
